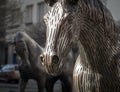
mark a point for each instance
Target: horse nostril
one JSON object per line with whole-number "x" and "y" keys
{"x": 55, "y": 59}
{"x": 14, "y": 43}
{"x": 42, "y": 58}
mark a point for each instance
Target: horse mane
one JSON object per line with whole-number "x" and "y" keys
{"x": 23, "y": 36}
{"x": 98, "y": 13}
{"x": 95, "y": 11}
{"x": 98, "y": 35}
{"x": 37, "y": 33}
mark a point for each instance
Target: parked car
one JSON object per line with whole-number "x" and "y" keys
{"x": 1, "y": 66}
{"x": 10, "y": 73}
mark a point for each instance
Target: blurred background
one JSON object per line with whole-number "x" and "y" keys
{"x": 26, "y": 15}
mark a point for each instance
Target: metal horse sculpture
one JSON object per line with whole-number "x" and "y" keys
{"x": 31, "y": 67}
{"x": 90, "y": 24}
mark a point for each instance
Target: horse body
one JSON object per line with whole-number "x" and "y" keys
{"x": 90, "y": 24}
{"x": 32, "y": 68}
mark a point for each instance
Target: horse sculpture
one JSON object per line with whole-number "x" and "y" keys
{"x": 90, "y": 24}
{"x": 31, "y": 67}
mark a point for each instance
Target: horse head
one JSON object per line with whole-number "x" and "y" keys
{"x": 59, "y": 36}
{"x": 87, "y": 22}
{"x": 21, "y": 47}
{"x": 52, "y": 2}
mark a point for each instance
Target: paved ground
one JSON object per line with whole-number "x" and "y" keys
{"x": 31, "y": 87}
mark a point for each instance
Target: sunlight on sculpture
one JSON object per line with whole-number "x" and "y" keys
{"x": 31, "y": 67}
{"x": 91, "y": 25}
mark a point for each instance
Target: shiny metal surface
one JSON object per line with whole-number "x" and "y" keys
{"x": 90, "y": 24}
{"x": 31, "y": 66}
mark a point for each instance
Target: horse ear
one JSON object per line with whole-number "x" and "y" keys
{"x": 72, "y": 2}
{"x": 51, "y": 2}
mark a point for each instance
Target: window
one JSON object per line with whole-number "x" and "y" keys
{"x": 16, "y": 15}
{"x": 42, "y": 10}
{"x": 28, "y": 14}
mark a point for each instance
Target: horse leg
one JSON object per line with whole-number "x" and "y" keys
{"x": 49, "y": 84}
{"x": 63, "y": 87}
{"x": 40, "y": 84}
{"x": 66, "y": 85}
{"x": 22, "y": 85}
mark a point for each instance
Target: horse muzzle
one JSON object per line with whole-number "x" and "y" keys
{"x": 51, "y": 63}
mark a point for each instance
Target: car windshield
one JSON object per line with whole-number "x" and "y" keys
{"x": 8, "y": 68}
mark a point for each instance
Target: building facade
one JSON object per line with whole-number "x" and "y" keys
{"x": 2, "y": 31}
{"x": 24, "y": 14}
{"x": 34, "y": 10}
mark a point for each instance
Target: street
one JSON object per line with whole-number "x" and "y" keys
{"x": 31, "y": 87}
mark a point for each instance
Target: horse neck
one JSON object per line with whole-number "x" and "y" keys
{"x": 96, "y": 47}
{"x": 32, "y": 43}
{"x": 95, "y": 51}
{"x": 34, "y": 49}
{"x": 96, "y": 34}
